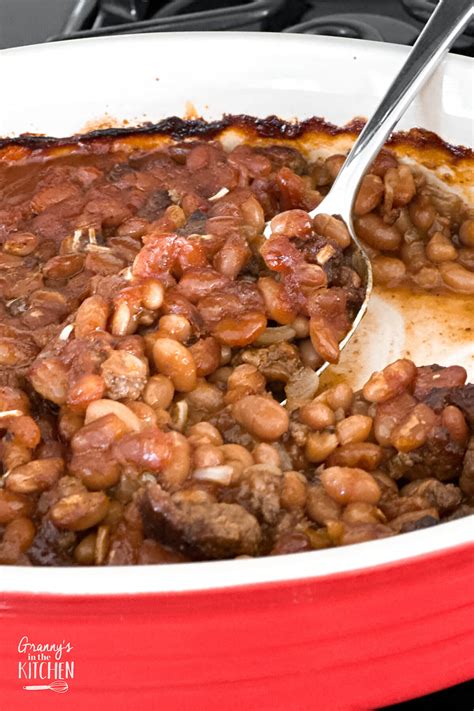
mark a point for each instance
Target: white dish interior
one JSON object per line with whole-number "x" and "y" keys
{"x": 63, "y": 88}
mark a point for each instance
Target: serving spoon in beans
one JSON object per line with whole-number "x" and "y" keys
{"x": 445, "y": 24}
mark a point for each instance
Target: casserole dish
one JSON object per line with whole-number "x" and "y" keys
{"x": 343, "y": 626}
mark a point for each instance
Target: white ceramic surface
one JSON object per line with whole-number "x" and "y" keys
{"x": 59, "y": 89}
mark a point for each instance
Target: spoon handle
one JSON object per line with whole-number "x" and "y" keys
{"x": 445, "y": 24}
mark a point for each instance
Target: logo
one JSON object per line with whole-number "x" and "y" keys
{"x": 47, "y": 665}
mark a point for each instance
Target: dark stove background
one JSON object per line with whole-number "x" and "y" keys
{"x": 32, "y": 21}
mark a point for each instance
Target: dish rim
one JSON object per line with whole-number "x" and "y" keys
{"x": 195, "y": 577}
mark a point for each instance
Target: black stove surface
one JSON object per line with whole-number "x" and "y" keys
{"x": 34, "y": 21}
{"x": 400, "y": 21}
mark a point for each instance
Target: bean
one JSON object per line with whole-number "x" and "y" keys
{"x": 87, "y": 389}
{"x": 205, "y": 397}
{"x": 237, "y": 453}
{"x": 204, "y": 433}
{"x": 457, "y": 277}
{"x": 362, "y": 512}
{"x": 208, "y": 455}
{"x": 390, "y": 381}
{"x": 413, "y": 431}
{"x": 440, "y": 249}
{"x": 14, "y": 399}
{"x": 264, "y": 453}
{"x": 35, "y": 476}
{"x": 145, "y": 413}
{"x": 84, "y": 552}
{"x": 369, "y": 195}
{"x": 357, "y": 454}
{"x": 347, "y": 484}
{"x": 14, "y": 454}
{"x": 466, "y": 258}
{"x": 123, "y": 322}
{"x": 293, "y": 491}
{"x": 466, "y": 233}
{"x": 334, "y": 163}
{"x": 383, "y": 162}
{"x": 355, "y": 428}
{"x": 262, "y": 417}
{"x": 175, "y": 361}
{"x": 102, "y": 432}
{"x": 80, "y": 511}
{"x": 24, "y": 430}
{"x": 63, "y": 267}
{"x": 319, "y": 445}
{"x": 427, "y": 278}
{"x": 206, "y": 353}
{"x": 226, "y": 355}
{"x": 21, "y": 244}
{"x": 152, "y": 294}
{"x": 373, "y": 230}
{"x": 177, "y": 469}
{"x": 242, "y": 331}
{"x": 175, "y": 326}
{"x": 16, "y": 352}
{"x": 399, "y": 185}
{"x": 96, "y": 470}
{"x": 292, "y": 223}
{"x": 13, "y": 506}
{"x": 17, "y": 538}
{"x": 317, "y": 415}
{"x": 159, "y": 392}
{"x": 320, "y": 507}
{"x": 339, "y": 397}
{"x": 252, "y": 212}
{"x": 277, "y": 305}
{"x": 388, "y": 271}
{"x": 453, "y": 419}
{"x": 333, "y": 229}
{"x": 91, "y": 316}
{"x": 246, "y": 380}
{"x": 422, "y": 212}
{"x": 101, "y": 408}
{"x": 49, "y": 377}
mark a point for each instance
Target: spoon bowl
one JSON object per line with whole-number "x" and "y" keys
{"x": 445, "y": 24}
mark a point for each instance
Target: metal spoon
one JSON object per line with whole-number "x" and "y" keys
{"x": 445, "y": 24}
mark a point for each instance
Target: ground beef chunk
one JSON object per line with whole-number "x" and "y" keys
{"x": 200, "y": 530}
{"x": 444, "y": 497}
{"x": 466, "y": 481}
{"x": 125, "y": 375}
{"x": 196, "y": 224}
{"x": 259, "y": 492}
{"x": 435, "y": 377}
{"x": 52, "y": 547}
{"x": 464, "y": 399}
{"x": 440, "y": 458}
{"x": 278, "y": 362}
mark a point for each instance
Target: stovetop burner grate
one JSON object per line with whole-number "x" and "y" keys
{"x": 396, "y": 21}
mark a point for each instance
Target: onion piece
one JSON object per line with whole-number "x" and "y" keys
{"x": 301, "y": 388}
{"x": 220, "y": 474}
{"x": 100, "y": 408}
{"x": 66, "y": 332}
{"x": 220, "y": 193}
{"x": 277, "y": 334}
{"x": 11, "y": 413}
